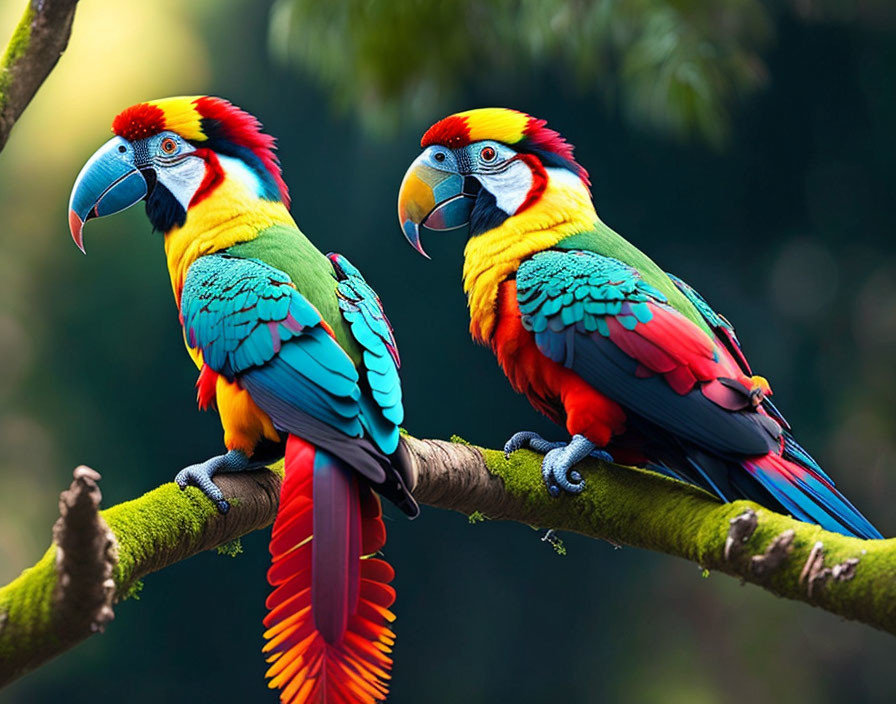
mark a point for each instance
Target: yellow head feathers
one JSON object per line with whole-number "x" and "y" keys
{"x": 517, "y": 129}
{"x": 181, "y": 115}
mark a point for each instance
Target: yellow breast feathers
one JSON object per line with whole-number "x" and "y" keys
{"x": 564, "y": 209}
{"x": 230, "y": 215}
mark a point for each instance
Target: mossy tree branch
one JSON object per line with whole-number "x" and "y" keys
{"x": 68, "y": 595}
{"x": 849, "y": 577}
{"x": 853, "y": 578}
{"x": 36, "y": 45}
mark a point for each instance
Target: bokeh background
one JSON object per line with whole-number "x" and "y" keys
{"x": 748, "y": 146}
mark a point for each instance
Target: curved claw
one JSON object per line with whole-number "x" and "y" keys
{"x": 526, "y": 439}
{"x": 556, "y": 469}
{"x": 200, "y": 476}
{"x": 560, "y": 458}
{"x": 601, "y": 455}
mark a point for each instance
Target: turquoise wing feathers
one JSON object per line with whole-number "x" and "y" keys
{"x": 362, "y": 310}
{"x": 239, "y": 312}
{"x": 251, "y": 324}
{"x": 557, "y": 290}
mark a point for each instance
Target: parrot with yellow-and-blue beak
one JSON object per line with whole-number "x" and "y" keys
{"x": 629, "y": 359}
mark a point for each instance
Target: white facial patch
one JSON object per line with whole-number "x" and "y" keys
{"x": 510, "y": 186}
{"x": 183, "y": 179}
{"x": 563, "y": 177}
{"x": 238, "y": 171}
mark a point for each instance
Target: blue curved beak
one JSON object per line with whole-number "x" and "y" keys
{"x": 109, "y": 183}
{"x": 433, "y": 199}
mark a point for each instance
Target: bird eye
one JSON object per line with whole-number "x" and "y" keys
{"x": 439, "y": 156}
{"x": 169, "y": 146}
{"x": 122, "y": 148}
{"x": 488, "y": 154}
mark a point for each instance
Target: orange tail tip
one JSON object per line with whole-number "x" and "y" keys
{"x": 303, "y": 665}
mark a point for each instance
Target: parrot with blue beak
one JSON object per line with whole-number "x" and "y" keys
{"x": 296, "y": 353}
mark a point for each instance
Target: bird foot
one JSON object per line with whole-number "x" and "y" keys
{"x": 200, "y": 475}
{"x": 527, "y": 440}
{"x": 559, "y": 459}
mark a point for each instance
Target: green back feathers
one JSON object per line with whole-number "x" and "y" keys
{"x": 603, "y": 240}
{"x": 287, "y": 249}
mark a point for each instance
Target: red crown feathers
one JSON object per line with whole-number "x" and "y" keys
{"x": 522, "y": 131}
{"x": 202, "y": 119}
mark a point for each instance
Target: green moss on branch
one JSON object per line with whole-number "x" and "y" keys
{"x": 37, "y": 43}
{"x": 852, "y": 578}
{"x": 162, "y": 527}
{"x": 15, "y": 50}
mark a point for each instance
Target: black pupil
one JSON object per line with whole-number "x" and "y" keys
{"x": 488, "y": 153}
{"x": 440, "y": 156}
{"x": 122, "y": 148}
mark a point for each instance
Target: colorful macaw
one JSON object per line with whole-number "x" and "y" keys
{"x": 296, "y": 352}
{"x": 632, "y": 360}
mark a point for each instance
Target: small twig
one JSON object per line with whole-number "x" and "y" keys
{"x": 555, "y": 541}
{"x": 846, "y": 570}
{"x": 742, "y": 528}
{"x": 815, "y": 574}
{"x": 774, "y": 556}
{"x": 814, "y": 564}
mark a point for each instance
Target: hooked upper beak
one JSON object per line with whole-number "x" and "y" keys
{"x": 109, "y": 183}
{"x": 434, "y": 199}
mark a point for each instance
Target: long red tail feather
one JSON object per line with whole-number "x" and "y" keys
{"x": 327, "y": 639}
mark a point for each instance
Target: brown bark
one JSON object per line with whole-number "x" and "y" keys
{"x": 36, "y": 45}
{"x": 66, "y": 598}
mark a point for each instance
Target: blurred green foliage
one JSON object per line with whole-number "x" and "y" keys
{"x": 676, "y": 65}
